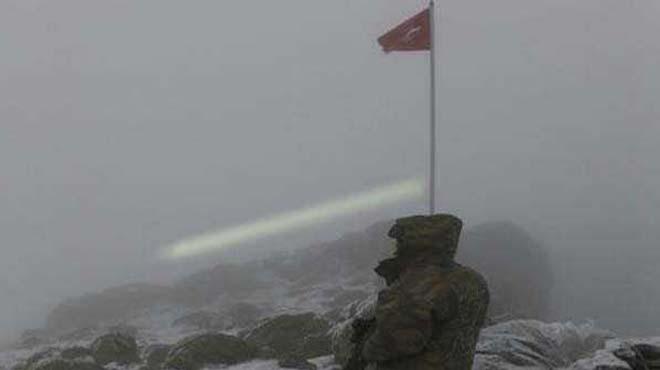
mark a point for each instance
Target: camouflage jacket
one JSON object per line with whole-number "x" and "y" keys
{"x": 429, "y": 319}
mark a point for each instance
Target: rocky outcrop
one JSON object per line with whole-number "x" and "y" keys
{"x": 117, "y": 348}
{"x": 208, "y": 349}
{"x": 155, "y": 355}
{"x": 74, "y": 358}
{"x": 530, "y": 343}
{"x": 76, "y": 353}
{"x": 299, "y": 336}
{"x": 342, "y": 332}
{"x": 639, "y": 356}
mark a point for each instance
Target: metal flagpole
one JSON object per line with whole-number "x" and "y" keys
{"x": 432, "y": 148}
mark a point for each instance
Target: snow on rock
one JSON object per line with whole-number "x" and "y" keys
{"x": 529, "y": 343}
{"x": 601, "y": 360}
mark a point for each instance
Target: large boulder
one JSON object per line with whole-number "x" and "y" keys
{"x": 209, "y": 349}
{"x": 538, "y": 345}
{"x": 116, "y": 347}
{"x": 639, "y": 354}
{"x": 155, "y": 355}
{"x": 516, "y": 267}
{"x": 300, "y": 336}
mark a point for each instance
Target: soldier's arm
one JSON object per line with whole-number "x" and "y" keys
{"x": 403, "y": 326}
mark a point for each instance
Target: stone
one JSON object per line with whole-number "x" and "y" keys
{"x": 209, "y": 349}
{"x": 302, "y": 335}
{"x": 115, "y": 347}
{"x": 155, "y": 355}
{"x": 76, "y": 352}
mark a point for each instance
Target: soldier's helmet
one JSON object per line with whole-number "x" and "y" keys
{"x": 434, "y": 235}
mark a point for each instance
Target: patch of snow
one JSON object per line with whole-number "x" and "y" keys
{"x": 602, "y": 359}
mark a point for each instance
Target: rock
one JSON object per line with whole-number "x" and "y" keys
{"x": 530, "y": 343}
{"x": 155, "y": 355}
{"x": 208, "y": 349}
{"x": 302, "y": 336}
{"x": 36, "y": 358}
{"x": 639, "y": 356}
{"x": 54, "y": 359}
{"x": 64, "y": 364}
{"x": 296, "y": 363}
{"x": 118, "y": 348}
{"x": 342, "y": 332}
{"x": 601, "y": 360}
{"x": 76, "y": 352}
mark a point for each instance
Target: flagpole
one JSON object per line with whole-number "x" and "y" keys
{"x": 432, "y": 148}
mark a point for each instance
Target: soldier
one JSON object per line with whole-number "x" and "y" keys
{"x": 430, "y": 315}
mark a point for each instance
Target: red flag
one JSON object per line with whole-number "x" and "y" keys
{"x": 412, "y": 35}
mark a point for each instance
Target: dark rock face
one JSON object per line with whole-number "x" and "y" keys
{"x": 116, "y": 347}
{"x": 300, "y": 336}
{"x": 208, "y": 349}
{"x": 640, "y": 356}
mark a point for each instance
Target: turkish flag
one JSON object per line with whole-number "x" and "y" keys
{"x": 412, "y": 35}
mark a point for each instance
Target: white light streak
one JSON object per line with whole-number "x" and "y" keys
{"x": 288, "y": 221}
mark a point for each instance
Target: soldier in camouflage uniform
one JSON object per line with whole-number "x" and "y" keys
{"x": 430, "y": 315}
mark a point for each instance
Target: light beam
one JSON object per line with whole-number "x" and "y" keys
{"x": 218, "y": 240}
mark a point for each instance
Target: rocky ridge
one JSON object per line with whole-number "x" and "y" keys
{"x": 292, "y": 311}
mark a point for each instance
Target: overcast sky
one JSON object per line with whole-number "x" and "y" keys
{"x": 126, "y": 125}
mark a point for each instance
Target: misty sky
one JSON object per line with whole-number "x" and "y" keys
{"x": 126, "y": 125}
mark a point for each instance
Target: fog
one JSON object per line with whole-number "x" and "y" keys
{"x": 128, "y": 125}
